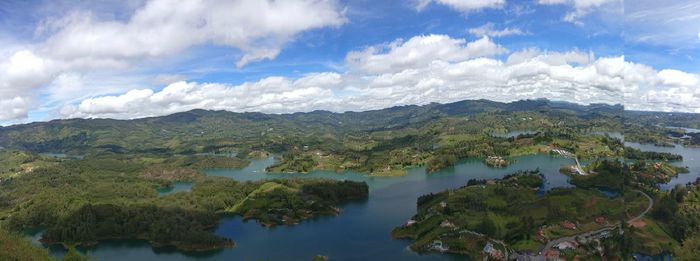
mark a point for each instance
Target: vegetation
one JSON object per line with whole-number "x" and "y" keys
{"x": 13, "y": 247}
{"x": 507, "y": 210}
{"x": 678, "y": 211}
{"x": 382, "y": 142}
{"x": 108, "y": 187}
{"x": 84, "y": 201}
{"x": 635, "y": 154}
{"x": 613, "y": 175}
{"x": 289, "y": 201}
{"x": 609, "y": 175}
{"x": 662, "y": 128}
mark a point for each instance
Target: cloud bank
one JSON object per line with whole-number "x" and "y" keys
{"x": 420, "y": 70}
{"x": 80, "y": 42}
{"x": 83, "y": 64}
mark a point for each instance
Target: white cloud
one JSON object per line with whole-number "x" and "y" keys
{"x": 574, "y": 57}
{"x": 165, "y": 79}
{"x": 488, "y": 30}
{"x": 423, "y": 69}
{"x": 273, "y": 94}
{"x": 82, "y": 43}
{"x": 678, "y": 78}
{"x": 463, "y": 5}
{"x": 161, "y": 28}
{"x": 13, "y": 107}
{"x": 581, "y": 7}
{"x": 417, "y": 72}
{"x": 420, "y": 51}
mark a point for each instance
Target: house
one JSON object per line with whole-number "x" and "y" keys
{"x": 447, "y": 224}
{"x": 410, "y": 222}
{"x": 567, "y": 245}
{"x": 568, "y": 225}
{"x": 496, "y": 254}
{"x": 493, "y": 252}
{"x": 552, "y": 255}
{"x": 539, "y": 235}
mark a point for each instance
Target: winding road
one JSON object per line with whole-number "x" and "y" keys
{"x": 555, "y": 242}
{"x": 651, "y": 204}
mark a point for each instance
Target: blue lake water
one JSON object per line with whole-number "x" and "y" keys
{"x": 176, "y": 187}
{"x": 360, "y": 232}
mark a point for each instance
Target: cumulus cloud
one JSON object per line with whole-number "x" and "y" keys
{"x": 423, "y": 69}
{"x": 415, "y": 72}
{"x": 489, "y": 30}
{"x": 420, "y": 51}
{"x": 21, "y": 72}
{"x": 463, "y": 5}
{"x": 273, "y": 94}
{"x": 162, "y": 28}
{"x": 81, "y": 42}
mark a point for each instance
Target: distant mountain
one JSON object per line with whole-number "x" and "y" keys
{"x": 201, "y": 128}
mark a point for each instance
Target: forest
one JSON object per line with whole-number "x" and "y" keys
{"x": 83, "y": 201}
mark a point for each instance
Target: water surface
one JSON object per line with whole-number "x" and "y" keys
{"x": 360, "y": 232}
{"x": 176, "y": 187}
{"x": 691, "y": 159}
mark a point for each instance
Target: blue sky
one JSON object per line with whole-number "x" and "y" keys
{"x": 129, "y": 59}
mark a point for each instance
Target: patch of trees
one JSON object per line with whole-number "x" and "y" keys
{"x": 337, "y": 192}
{"x": 294, "y": 162}
{"x": 185, "y": 229}
{"x": 526, "y": 178}
{"x": 679, "y": 214}
{"x": 290, "y": 201}
{"x": 636, "y": 154}
{"x": 607, "y": 174}
{"x": 440, "y": 161}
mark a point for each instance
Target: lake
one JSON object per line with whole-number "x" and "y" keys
{"x": 691, "y": 159}
{"x": 360, "y": 232}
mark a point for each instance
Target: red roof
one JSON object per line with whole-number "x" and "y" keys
{"x": 568, "y": 224}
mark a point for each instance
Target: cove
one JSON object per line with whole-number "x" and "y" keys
{"x": 360, "y": 232}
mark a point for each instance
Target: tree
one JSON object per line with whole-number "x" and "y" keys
{"x": 689, "y": 250}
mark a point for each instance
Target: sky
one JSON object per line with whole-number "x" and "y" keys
{"x": 140, "y": 58}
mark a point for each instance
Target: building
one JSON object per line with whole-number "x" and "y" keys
{"x": 567, "y": 245}
{"x": 568, "y": 225}
{"x": 447, "y": 224}
{"x": 552, "y": 255}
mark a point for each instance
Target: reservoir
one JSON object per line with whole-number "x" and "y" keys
{"x": 361, "y": 231}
